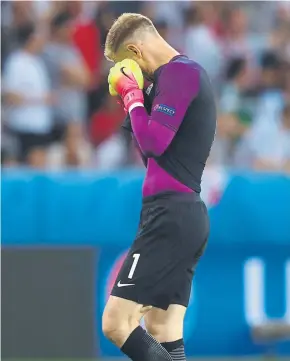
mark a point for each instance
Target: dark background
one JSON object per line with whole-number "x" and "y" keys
{"x": 48, "y": 299}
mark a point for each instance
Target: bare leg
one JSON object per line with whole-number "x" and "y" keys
{"x": 167, "y": 328}
{"x": 121, "y": 324}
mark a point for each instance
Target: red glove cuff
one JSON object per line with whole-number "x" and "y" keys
{"x": 133, "y": 97}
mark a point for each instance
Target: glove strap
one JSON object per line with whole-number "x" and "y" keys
{"x": 135, "y": 105}
{"x": 132, "y": 99}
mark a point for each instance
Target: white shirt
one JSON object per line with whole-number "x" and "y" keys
{"x": 202, "y": 46}
{"x": 230, "y": 98}
{"x": 26, "y": 75}
{"x": 41, "y": 7}
{"x": 111, "y": 153}
{"x": 214, "y": 181}
{"x": 270, "y": 141}
{"x": 71, "y": 100}
{"x": 269, "y": 107}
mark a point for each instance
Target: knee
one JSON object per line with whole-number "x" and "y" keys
{"x": 164, "y": 331}
{"x": 113, "y": 323}
{"x": 120, "y": 318}
{"x": 109, "y": 326}
{"x": 156, "y": 329}
{"x": 117, "y": 324}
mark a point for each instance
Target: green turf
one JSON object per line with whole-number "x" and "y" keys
{"x": 261, "y": 358}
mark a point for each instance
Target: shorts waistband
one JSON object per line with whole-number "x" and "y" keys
{"x": 193, "y": 196}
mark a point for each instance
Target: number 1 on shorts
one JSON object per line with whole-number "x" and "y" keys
{"x": 136, "y": 257}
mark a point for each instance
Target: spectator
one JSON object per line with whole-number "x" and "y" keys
{"x": 271, "y": 70}
{"x": 120, "y": 7}
{"x": 41, "y": 8}
{"x": 87, "y": 38}
{"x": 212, "y": 15}
{"x": 201, "y": 43}
{"x": 281, "y": 40}
{"x": 106, "y": 121}
{"x": 267, "y": 146}
{"x": 271, "y": 97}
{"x": 286, "y": 78}
{"x": 237, "y": 83}
{"x": 70, "y": 77}
{"x": 228, "y": 39}
{"x": 14, "y": 15}
{"x": 86, "y": 35}
{"x": 170, "y": 12}
{"x": 104, "y": 19}
{"x": 22, "y": 13}
{"x": 9, "y": 150}
{"x": 227, "y": 135}
{"x": 112, "y": 153}
{"x": 73, "y": 152}
{"x": 27, "y": 95}
{"x": 239, "y": 40}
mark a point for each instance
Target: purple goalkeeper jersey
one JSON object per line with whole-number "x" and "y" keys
{"x": 176, "y": 128}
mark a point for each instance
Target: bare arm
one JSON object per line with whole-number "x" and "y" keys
{"x": 76, "y": 75}
{"x": 262, "y": 164}
{"x": 15, "y": 99}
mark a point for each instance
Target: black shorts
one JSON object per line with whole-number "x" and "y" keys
{"x": 159, "y": 267}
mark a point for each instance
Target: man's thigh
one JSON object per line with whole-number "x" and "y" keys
{"x": 120, "y": 318}
{"x": 166, "y": 326}
{"x": 159, "y": 267}
{"x": 143, "y": 277}
{"x": 119, "y": 310}
{"x": 154, "y": 273}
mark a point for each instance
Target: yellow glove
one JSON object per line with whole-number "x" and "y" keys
{"x": 123, "y": 76}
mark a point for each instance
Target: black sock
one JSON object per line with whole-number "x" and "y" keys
{"x": 175, "y": 349}
{"x": 140, "y": 346}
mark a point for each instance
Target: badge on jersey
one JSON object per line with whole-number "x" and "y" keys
{"x": 164, "y": 109}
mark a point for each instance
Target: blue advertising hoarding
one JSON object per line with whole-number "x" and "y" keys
{"x": 235, "y": 288}
{"x": 243, "y": 279}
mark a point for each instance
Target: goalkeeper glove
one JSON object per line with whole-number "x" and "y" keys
{"x": 126, "y": 80}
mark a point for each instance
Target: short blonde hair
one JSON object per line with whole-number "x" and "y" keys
{"x": 124, "y": 28}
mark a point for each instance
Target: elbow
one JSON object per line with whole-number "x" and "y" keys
{"x": 152, "y": 148}
{"x": 148, "y": 154}
{"x": 156, "y": 151}
{"x": 152, "y": 153}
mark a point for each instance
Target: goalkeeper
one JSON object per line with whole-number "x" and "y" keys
{"x": 174, "y": 131}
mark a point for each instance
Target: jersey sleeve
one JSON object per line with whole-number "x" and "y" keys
{"x": 178, "y": 85}
{"x": 147, "y": 104}
{"x": 144, "y": 159}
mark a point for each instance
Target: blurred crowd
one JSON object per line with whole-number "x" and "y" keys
{"x": 56, "y": 111}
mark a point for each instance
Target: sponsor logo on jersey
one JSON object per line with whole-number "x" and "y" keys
{"x": 164, "y": 109}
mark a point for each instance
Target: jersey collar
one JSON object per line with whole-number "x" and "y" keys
{"x": 157, "y": 71}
